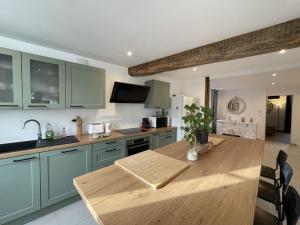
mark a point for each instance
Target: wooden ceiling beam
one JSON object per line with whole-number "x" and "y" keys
{"x": 281, "y": 36}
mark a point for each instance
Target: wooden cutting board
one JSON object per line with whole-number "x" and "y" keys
{"x": 152, "y": 168}
{"x": 215, "y": 141}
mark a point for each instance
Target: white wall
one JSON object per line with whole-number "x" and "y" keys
{"x": 255, "y": 101}
{"x": 256, "y": 108}
{"x": 194, "y": 88}
{"x": 121, "y": 115}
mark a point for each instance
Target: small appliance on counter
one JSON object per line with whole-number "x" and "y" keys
{"x": 145, "y": 123}
{"x": 158, "y": 121}
{"x": 96, "y": 129}
{"x": 107, "y": 129}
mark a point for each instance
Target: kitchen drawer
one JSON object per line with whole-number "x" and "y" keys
{"x": 105, "y": 153}
{"x": 109, "y": 144}
{"x": 169, "y": 132}
{"x": 166, "y": 139}
{"x": 106, "y": 162}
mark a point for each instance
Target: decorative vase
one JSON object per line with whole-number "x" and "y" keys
{"x": 201, "y": 136}
{"x": 192, "y": 153}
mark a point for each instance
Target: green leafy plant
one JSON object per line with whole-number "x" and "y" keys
{"x": 207, "y": 117}
{"x": 196, "y": 119}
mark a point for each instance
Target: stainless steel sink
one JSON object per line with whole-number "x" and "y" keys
{"x": 25, "y": 145}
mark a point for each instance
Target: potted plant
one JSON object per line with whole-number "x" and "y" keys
{"x": 202, "y": 131}
{"x": 197, "y": 124}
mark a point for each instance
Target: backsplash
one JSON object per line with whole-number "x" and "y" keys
{"x": 121, "y": 116}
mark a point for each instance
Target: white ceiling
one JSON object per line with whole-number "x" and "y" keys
{"x": 107, "y": 29}
{"x": 285, "y": 79}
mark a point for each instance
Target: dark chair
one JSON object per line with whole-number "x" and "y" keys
{"x": 274, "y": 193}
{"x": 291, "y": 206}
{"x": 269, "y": 172}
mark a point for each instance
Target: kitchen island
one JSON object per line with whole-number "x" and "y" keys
{"x": 219, "y": 188}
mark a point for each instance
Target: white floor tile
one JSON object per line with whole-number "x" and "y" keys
{"x": 49, "y": 219}
{"x": 72, "y": 214}
{"x": 89, "y": 221}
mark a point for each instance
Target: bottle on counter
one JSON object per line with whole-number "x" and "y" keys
{"x": 49, "y": 132}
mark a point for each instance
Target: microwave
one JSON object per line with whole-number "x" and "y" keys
{"x": 157, "y": 122}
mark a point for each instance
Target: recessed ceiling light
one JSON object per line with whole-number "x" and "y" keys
{"x": 129, "y": 53}
{"x": 273, "y": 83}
{"x": 194, "y": 69}
{"x": 282, "y": 51}
{"x": 274, "y": 74}
{"x": 221, "y": 88}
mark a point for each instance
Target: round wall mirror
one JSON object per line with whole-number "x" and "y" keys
{"x": 236, "y": 105}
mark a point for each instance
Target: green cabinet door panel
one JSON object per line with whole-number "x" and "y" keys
{"x": 159, "y": 94}
{"x": 85, "y": 86}
{"x": 10, "y": 79}
{"x": 58, "y": 168}
{"x": 43, "y": 82}
{"x": 20, "y": 187}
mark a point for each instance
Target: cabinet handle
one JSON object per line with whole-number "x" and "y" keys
{"x": 76, "y": 106}
{"x": 37, "y": 106}
{"x": 21, "y": 160}
{"x": 10, "y": 105}
{"x": 168, "y": 136}
{"x": 68, "y": 151}
{"x": 111, "y": 150}
{"x": 112, "y": 142}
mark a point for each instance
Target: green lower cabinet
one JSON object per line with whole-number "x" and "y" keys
{"x": 154, "y": 141}
{"x": 58, "y": 168}
{"x": 20, "y": 187}
{"x": 106, "y": 156}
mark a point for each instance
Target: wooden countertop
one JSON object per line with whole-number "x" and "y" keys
{"x": 220, "y": 188}
{"x": 83, "y": 140}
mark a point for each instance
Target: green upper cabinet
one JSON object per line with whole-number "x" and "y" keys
{"x": 159, "y": 94}
{"x": 58, "y": 168}
{"x": 20, "y": 187}
{"x": 85, "y": 87}
{"x": 10, "y": 79}
{"x": 43, "y": 82}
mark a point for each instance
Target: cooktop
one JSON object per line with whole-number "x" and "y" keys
{"x": 132, "y": 130}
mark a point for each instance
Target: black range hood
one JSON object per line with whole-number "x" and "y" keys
{"x": 129, "y": 93}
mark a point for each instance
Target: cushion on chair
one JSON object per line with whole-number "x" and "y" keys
{"x": 263, "y": 217}
{"x": 267, "y": 191}
{"x": 268, "y": 172}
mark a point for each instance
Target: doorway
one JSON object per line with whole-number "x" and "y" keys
{"x": 279, "y": 118}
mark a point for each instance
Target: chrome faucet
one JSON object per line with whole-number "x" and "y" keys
{"x": 39, "y": 128}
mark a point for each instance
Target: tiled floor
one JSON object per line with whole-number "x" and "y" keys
{"x": 77, "y": 213}
{"x": 74, "y": 214}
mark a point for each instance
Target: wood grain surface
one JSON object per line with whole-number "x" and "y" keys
{"x": 153, "y": 168}
{"x": 218, "y": 189}
{"x": 274, "y": 38}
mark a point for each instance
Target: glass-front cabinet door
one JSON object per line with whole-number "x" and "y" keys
{"x": 10, "y": 79}
{"x": 43, "y": 82}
